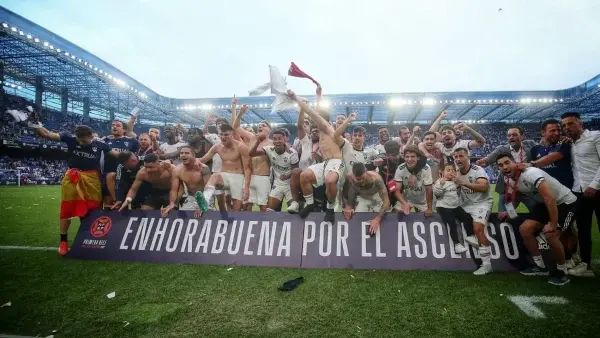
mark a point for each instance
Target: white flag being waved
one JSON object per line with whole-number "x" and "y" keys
{"x": 278, "y": 87}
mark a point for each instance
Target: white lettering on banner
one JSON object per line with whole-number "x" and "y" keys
{"x": 161, "y": 228}
{"x": 378, "y": 251}
{"x": 204, "y": 237}
{"x": 507, "y": 232}
{"x": 250, "y": 235}
{"x": 143, "y": 234}
{"x": 364, "y": 236}
{"x": 219, "y": 240}
{"x": 232, "y": 237}
{"x": 403, "y": 245}
{"x": 325, "y": 226}
{"x": 127, "y": 232}
{"x": 190, "y": 231}
{"x": 491, "y": 229}
{"x": 265, "y": 239}
{"x": 342, "y": 237}
{"x": 308, "y": 225}
{"x": 285, "y": 240}
{"x": 172, "y": 243}
{"x": 434, "y": 246}
{"x": 453, "y": 253}
{"x": 527, "y": 304}
{"x": 423, "y": 252}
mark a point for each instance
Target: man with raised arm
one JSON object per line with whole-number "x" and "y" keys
{"x": 449, "y": 142}
{"x": 81, "y": 190}
{"x": 328, "y": 171}
{"x": 260, "y": 184}
{"x": 283, "y": 159}
{"x": 235, "y": 172}
{"x": 365, "y": 191}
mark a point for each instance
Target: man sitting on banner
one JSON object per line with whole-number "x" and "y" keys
{"x": 81, "y": 190}
{"x": 364, "y": 191}
{"x": 325, "y": 173}
{"x": 552, "y": 217}
{"x": 283, "y": 159}
{"x": 477, "y": 202}
{"x": 156, "y": 173}
{"x": 414, "y": 183}
{"x": 129, "y": 166}
{"x": 235, "y": 171}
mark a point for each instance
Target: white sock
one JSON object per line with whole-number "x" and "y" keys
{"x": 485, "y": 254}
{"x": 562, "y": 267}
{"x": 331, "y": 205}
{"x": 209, "y": 191}
{"x": 309, "y": 199}
{"x": 539, "y": 261}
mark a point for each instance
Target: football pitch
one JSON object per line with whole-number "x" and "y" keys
{"x": 49, "y": 293}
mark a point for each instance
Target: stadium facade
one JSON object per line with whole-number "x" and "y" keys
{"x": 53, "y": 72}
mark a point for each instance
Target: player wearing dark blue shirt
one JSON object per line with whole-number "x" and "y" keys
{"x": 118, "y": 142}
{"x": 552, "y": 156}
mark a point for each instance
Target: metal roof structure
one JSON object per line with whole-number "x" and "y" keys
{"x": 29, "y": 51}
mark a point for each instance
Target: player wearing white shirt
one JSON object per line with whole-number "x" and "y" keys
{"x": 449, "y": 143}
{"x": 477, "y": 201}
{"x": 283, "y": 159}
{"x": 414, "y": 183}
{"x": 553, "y": 216}
{"x": 384, "y": 136}
{"x": 170, "y": 149}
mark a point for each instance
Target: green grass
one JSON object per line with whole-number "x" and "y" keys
{"x": 174, "y": 300}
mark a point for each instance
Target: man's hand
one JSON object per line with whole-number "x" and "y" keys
{"x": 212, "y": 118}
{"x": 197, "y": 213}
{"x": 291, "y": 95}
{"x": 285, "y": 177}
{"x": 199, "y": 163}
{"x": 428, "y": 213}
{"x": 375, "y": 224}
{"x": 116, "y": 205}
{"x": 234, "y": 100}
{"x": 406, "y": 208}
{"x": 165, "y": 211}
{"x": 503, "y": 215}
{"x": 482, "y": 162}
{"x": 566, "y": 140}
{"x": 316, "y": 157}
{"x": 416, "y": 130}
{"x": 261, "y": 137}
{"x": 444, "y": 114}
{"x": 378, "y": 162}
{"x": 459, "y": 180}
{"x": 462, "y": 126}
{"x": 549, "y": 228}
{"x": 319, "y": 91}
{"x": 352, "y": 117}
{"x": 348, "y": 212}
{"x": 523, "y": 166}
{"x": 243, "y": 109}
{"x": 589, "y": 192}
{"x": 245, "y": 194}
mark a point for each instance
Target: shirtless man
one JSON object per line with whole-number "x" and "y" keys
{"x": 327, "y": 172}
{"x": 158, "y": 174}
{"x": 188, "y": 174}
{"x": 364, "y": 191}
{"x": 260, "y": 184}
{"x": 233, "y": 176}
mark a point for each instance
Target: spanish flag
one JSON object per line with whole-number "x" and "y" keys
{"x": 81, "y": 192}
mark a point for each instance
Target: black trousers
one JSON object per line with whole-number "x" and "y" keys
{"x": 585, "y": 210}
{"x": 449, "y": 216}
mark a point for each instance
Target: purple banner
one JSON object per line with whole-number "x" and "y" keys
{"x": 279, "y": 239}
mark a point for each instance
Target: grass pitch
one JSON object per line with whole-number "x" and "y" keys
{"x": 50, "y": 293}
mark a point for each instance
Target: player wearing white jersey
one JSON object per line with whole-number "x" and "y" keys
{"x": 414, "y": 183}
{"x": 170, "y": 149}
{"x": 477, "y": 201}
{"x": 553, "y": 216}
{"x": 283, "y": 159}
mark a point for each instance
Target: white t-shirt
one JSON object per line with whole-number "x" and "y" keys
{"x": 447, "y": 194}
{"x": 472, "y": 197}
{"x": 379, "y": 148}
{"x": 447, "y": 153}
{"x": 530, "y": 181}
{"x": 413, "y": 186}
{"x": 213, "y": 138}
{"x": 351, "y": 155}
{"x": 166, "y": 148}
{"x": 281, "y": 163}
{"x": 307, "y": 149}
{"x": 216, "y": 164}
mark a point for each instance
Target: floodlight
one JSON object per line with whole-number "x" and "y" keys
{"x": 428, "y": 102}
{"x": 5, "y": 25}
{"x": 29, "y": 36}
{"x": 325, "y": 104}
{"x": 13, "y": 29}
{"x": 46, "y": 44}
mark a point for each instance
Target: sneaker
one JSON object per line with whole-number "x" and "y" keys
{"x": 559, "y": 280}
{"x": 535, "y": 271}
{"x": 306, "y": 210}
{"x": 329, "y": 216}
{"x": 472, "y": 240}
{"x": 293, "y": 208}
{"x": 581, "y": 270}
{"x": 459, "y": 248}
{"x": 484, "y": 269}
{"x": 63, "y": 248}
{"x": 202, "y": 203}
{"x": 570, "y": 264}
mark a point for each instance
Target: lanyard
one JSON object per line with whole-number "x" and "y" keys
{"x": 521, "y": 154}
{"x": 514, "y": 191}
{"x": 145, "y": 152}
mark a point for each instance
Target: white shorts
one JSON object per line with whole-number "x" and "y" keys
{"x": 216, "y": 165}
{"x": 189, "y": 204}
{"x": 260, "y": 186}
{"x": 234, "y": 183}
{"x": 280, "y": 191}
{"x": 368, "y": 204}
{"x": 322, "y": 169}
{"x": 480, "y": 212}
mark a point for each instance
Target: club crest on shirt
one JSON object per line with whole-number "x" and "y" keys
{"x": 94, "y": 149}
{"x": 126, "y": 144}
{"x": 285, "y": 159}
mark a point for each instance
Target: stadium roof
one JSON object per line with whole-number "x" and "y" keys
{"x": 28, "y": 50}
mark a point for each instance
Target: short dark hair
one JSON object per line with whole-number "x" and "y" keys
{"x": 382, "y": 127}
{"x": 151, "y": 158}
{"x": 286, "y": 131}
{"x": 278, "y": 131}
{"x": 429, "y": 133}
{"x": 549, "y": 122}
{"x": 358, "y": 169}
{"x": 519, "y": 128}
{"x": 444, "y": 164}
{"x": 267, "y": 123}
{"x": 83, "y": 131}
{"x": 359, "y": 130}
{"x": 411, "y": 148}
{"x": 196, "y": 130}
{"x": 392, "y": 147}
{"x": 446, "y": 127}
{"x": 403, "y": 127}
{"x": 124, "y": 156}
{"x": 503, "y": 155}
{"x": 461, "y": 149}
{"x": 187, "y": 146}
{"x": 221, "y": 120}
{"x": 571, "y": 114}
{"x": 226, "y": 127}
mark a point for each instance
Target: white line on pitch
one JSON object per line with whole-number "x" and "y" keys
{"x": 29, "y": 248}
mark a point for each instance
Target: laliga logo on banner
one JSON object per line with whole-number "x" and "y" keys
{"x": 101, "y": 226}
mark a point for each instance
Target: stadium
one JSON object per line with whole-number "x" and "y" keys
{"x": 45, "y": 294}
